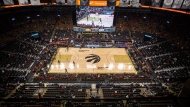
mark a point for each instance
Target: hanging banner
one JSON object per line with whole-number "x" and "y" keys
{"x": 186, "y": 4}
{"x": 134, "y": 3}
{"x": 177, "y": 4}
{"x": 23, "y": 2}
{"x": 60, "y": 2}
{"x": 84, "y": 2}
{"x": 35, "y": 2}
{"x": 71, "y": 2}
{"x": 111, "y": 2}
{"x": 167, "y": 3}
{"x": 156, "y": 3}
{"x": 8, "y": 2}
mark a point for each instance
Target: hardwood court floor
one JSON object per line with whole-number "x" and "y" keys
{"x": 92, "y": 60}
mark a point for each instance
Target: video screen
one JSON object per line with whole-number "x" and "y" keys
{"x": 35, "y": 35}
{"x": 147, "y": 37}
{"x": 95, "y": 17}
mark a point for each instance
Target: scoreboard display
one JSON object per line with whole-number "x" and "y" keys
{"x": 79, "y": 29}
{"x": 94, "y": 18}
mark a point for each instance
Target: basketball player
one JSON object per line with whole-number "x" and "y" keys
{"x": 100, "y": 21}
{"x": 92, "y": 23}
{"x": 67, "y": 48}
{"x": 73, "y": 63}
{"x": 80, "y": 45}
{"x": 58, "y": 62}
{"x": 66, "y": 70}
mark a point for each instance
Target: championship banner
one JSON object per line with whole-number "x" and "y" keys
{"x": 23, "y": 2}
{"x": 111, "y": 2}
{"x": 134, "y": 3}
{"x": 156, "y": 3}
{"x": 186, "y": 4}
{"x": 60, "y": 2}
{"x": 35, "y": 2}
{"x": 123, "y": 3}
{"x": 167, "y": 3}
{"x": 8, "y": 2}
{"x": 177, "y": 4}
{"x": 71, "y": 2}
{"x": 84, "y": 2}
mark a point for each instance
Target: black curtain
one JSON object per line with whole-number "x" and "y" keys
{"x": 74, "y": 16}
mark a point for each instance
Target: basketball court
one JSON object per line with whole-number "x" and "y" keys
{"x": 92, "y": 60}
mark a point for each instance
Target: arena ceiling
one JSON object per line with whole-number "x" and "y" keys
{"x": 182, "y": 6}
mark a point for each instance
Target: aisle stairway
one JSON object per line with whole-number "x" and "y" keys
{"x": 87, "y": 93}
{"x": 13, "y": 91}
{"x": 100, "y": 93}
